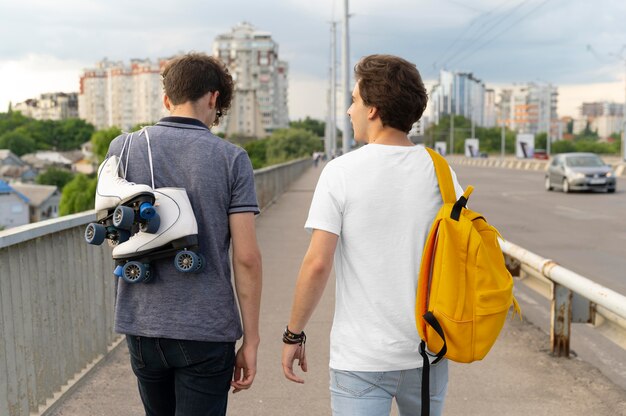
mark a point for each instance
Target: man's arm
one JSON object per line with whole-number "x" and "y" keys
{"x": 248, "y": 277}
{"x": 312, "y": 279}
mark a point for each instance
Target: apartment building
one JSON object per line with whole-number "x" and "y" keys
{"x": 50, "y": 106}
{"x": 122, "y": 95}
{"x": 530, "y": 108}
{"x": 461, "y": 93}
{"x": 261, "y": 81}
{"x": 603, "y": 117}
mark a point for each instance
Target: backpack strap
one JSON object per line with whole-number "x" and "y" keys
{"x": 444, "y": 177}
{"x": 432, "y": 321}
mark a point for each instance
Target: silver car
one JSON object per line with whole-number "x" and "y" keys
{"x": 579, "y": 172}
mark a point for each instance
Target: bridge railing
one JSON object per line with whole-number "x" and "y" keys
{"x": 57, "y": 296}
{"x": 574, "y": 298}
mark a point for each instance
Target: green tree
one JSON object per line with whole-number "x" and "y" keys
{"x": 257, "y": 152}
{"x": 78, "y": 195}
{"x": 54, "y": 176}
{"x": 18, "y": 141}
{"x": 71, "y": 134}
{"x": 316, "y": 127}
{"x": 288, "y": 144}
{"x": 101, "y": 140}
{"x": 541, "y": 140}
{"x": 562, "y": 146}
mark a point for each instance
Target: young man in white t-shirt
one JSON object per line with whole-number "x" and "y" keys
{"x": 371, "y": 212}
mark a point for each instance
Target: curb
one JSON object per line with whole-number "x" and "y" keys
{"x": 522, "y": 164}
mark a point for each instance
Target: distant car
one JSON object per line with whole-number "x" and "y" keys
{"x": 541, "y": 154}
{"x": 579, "y": 172}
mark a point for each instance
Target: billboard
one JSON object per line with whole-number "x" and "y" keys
{"x": 471, "y": 148}
{"x": 525, "y": 146}
{"x": 441, "y": 148}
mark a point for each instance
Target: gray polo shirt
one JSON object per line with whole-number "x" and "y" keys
{"x": 219, "y": 180}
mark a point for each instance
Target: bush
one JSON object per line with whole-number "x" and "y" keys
{"x": 78, "y": 195}
{"x": 55, "y": 176}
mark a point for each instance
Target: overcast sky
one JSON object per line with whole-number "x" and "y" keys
{"x": 577, "y": 45}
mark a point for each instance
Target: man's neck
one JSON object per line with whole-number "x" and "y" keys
{"x": 187, "y": 110}
{"x": 390, "y": 137}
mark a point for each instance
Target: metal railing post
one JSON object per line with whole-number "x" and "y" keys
{"x": 561, "y": 322}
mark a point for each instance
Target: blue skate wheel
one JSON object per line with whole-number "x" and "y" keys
{"x": 118, "y": 271}
{"x": 152, "y": 226}
{"x": 95, "y": 233}
{"x": 186, "y": 261}
{"x": 122, "y": 236}
{"x": 123, "y": 217}
{"x": 147, "y": 211}
{"x": 201, "y": 264}
{"x": 134, "y": 272}
{"x": 148, "y": 276}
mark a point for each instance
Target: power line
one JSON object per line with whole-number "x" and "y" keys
{"x": 462, "y": 34}
{"x": 472, "y": 52}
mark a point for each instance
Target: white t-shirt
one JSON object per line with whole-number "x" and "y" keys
{"x": 380, "y": 200}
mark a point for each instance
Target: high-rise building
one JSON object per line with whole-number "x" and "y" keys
{"x": 461, "y": 94}
{"x": 115, "y": 94}
{"x": 50, "y": 106}
{"x": 530, "y": 108}
{"x": 260, "y": 101}
{"x": 605, "y": 118}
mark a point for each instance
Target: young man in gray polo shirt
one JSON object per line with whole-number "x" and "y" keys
{"x": 181, "y": 328}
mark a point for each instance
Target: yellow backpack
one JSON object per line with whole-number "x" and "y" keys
{"x": 464, "y": 289}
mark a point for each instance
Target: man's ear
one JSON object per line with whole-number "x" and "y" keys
{"x": 213, "y": 99}
{"x": 372, "y": 113}
{"x": 166, "y": 102}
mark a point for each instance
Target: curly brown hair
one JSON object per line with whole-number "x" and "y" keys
{"x": 394, "y": 86}
{"x": 191, "y": 76}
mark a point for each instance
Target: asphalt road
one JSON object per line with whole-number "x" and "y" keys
{"x": 584, "y": 232}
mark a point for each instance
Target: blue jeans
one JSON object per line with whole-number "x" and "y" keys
{"x": 367, "y": 393}
{"x": 182, "y": 378}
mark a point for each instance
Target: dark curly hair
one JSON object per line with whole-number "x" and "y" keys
{"x": 394, "y": 86}
{"x": 189, "y": 77}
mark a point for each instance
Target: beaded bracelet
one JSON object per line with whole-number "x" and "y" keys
{"x": 293, "y": 338}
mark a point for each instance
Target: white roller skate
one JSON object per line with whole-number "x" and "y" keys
{"x": 177, "y": 236}
{"x": 122, "y": 207}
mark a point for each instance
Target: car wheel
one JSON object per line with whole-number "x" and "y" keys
{"x": 548, "y": 184}
{"x": 611, "y": 190}
{"x": 565, "y": 186}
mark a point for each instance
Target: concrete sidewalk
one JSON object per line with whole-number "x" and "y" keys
{"x": 518, "y": 377}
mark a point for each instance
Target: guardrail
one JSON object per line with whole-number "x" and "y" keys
{"x": 574, "y": 298}
{"x": 57, "y": 296}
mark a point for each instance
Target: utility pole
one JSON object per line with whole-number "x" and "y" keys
{"x": 502, "y": 140}
{"x": 347, "y": 93}
{"x": 333, "y": 89}
{"x": 622, "y": 148}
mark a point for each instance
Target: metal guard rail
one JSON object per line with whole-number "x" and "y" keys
{"x": 575, "y": 298}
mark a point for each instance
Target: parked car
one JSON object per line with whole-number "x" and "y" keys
{"x": 541, "y": 154}
{"x": 579, "y": 172}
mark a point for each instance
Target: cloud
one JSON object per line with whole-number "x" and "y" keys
{"x": 500, "y": 42}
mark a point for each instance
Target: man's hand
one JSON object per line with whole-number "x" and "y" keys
{"x": 245, "y": 367}
{"x": 292, "y": 352}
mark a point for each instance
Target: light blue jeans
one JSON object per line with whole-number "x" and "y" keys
{"x": 366, "y": 393}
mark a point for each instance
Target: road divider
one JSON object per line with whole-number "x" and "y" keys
{"x": 523, "y": 164}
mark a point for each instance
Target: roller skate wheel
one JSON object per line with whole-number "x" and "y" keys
{"x": 123, "y": 217}
{"x": 186, "y": 261}
{"x": 151, "y": 226}
{"x": 201, "y": 263}
{"x": 95, "y": 234}
{"x": 147, "y": 211}
{"x": 134, "y": 272}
